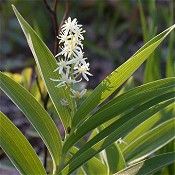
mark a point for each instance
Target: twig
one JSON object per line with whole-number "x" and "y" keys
{"x": 55, "y": 23}
{"x": 45, "y": 157}
{"x": 48, "y": 7}
{"x": 53, "y": 13}
{"x": 66, "y": 13}
{"x": 46, "y": 101}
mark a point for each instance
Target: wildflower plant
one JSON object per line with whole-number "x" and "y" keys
{"x": 125, "y": 135}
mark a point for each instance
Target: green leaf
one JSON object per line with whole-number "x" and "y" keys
{"x": 115, "y": 159}
{"x": 149, "y": 166}
{"x": 115, "y": 131}
{"x": 36, "y": 114}
{"x": 128, "y": 86}
{"x": 46, "y": 64}
{"x": 18, "y": 149}
{"x": 118, "y": 77}
{"x": 147, "y": 125}
{"x": 112, "y": 111}
{"x": 170, "y": 148}
{"x": 150, "y": 142}
{"x": 93, "y": 166}
{"x": 143, "y": 88}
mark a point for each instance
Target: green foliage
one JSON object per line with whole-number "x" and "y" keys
{"x": 122, "y": 117}
{"x": 18, "y": 149}
{"x": 36, "y": 114}
{"x": 150, "y": 141}
{"x": 149, "y": 166}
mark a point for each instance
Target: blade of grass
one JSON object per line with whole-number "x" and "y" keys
{"x": 92, "y": 166}
{"x": 115, "y": 158}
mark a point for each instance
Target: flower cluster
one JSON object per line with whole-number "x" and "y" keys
{"x": 72, "y": 63}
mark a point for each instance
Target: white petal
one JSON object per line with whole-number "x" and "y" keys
{"x": 55, "y": 79}
{"x": 85, "y": 76}
{"x": 56, "y": 69}
{"x": 88, "y": 73}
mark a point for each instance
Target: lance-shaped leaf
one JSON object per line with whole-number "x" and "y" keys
{"x": 118, "y": 77}
{"x": 36, "y": 114}
{"x": 46, "y": 64}
{"x": 150, "y": 142}
{"x": 147, "y": 125}
{"x": 149, "y": 166}
{"x": 162, "y": 83}
{"x": 18, "y": 149}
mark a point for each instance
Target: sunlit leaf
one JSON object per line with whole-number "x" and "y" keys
{"x": 36, "y": 114}
{"x": 18, "y": 149}
{"x": 118, "y": 77}
{"x": 150, "y": 141}
{"x": 149, "y": 166}
{"x": 46, "y": 64}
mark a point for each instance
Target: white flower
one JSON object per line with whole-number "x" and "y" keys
{"x": 65, "y": 80}
{"x": 83, "y": 69}
{"x": 78, "y": 34}
{"x": 70, "y": 26}
{"x": 73, "y": 62}
{"x": 77, "y": 94}
{"x": 69, "y": 49}
{"x": 78, "y": 59}
{"x": 63, "y": 38}
{"x": 61, "y": 65}
{"x": 71, "y": 36}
